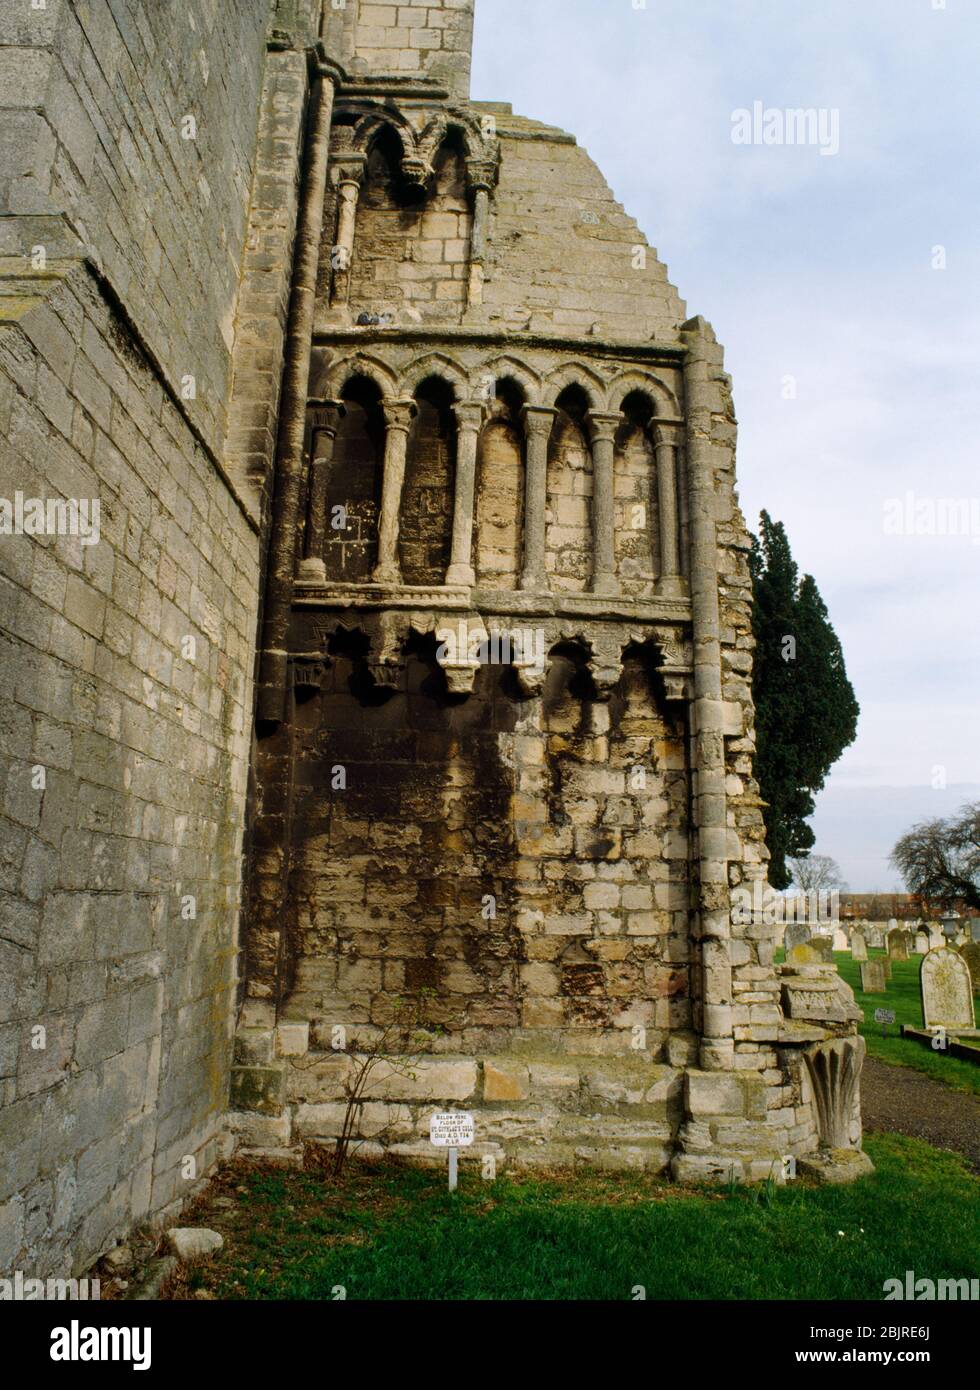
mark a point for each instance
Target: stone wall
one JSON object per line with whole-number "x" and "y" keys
{"x": 432, "y": 39}
{"x": 126, "y": 665}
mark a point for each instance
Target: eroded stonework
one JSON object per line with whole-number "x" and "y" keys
{"x": 387, "y": 377}
{"x": 504, "y": 754}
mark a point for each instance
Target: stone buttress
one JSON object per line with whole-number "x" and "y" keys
{"x": 502, "y": 775}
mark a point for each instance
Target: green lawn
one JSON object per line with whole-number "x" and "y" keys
{"x": 902, "y": 994}
{"x": 392, "y": 1232}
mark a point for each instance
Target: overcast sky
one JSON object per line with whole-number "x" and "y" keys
{"x": 820, "y": 268}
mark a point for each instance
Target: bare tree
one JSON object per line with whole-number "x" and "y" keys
{"x": 816, "y": 873}
{"x": 940, "y": 859}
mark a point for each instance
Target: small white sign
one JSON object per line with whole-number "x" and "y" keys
{"x": 452, "y": 1129}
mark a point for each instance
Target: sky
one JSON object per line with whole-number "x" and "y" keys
{"x": 846, "y": 289}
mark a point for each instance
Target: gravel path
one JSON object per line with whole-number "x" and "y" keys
{"x": 906, "y": 1102}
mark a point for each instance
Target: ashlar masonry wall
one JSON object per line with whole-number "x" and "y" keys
{"x": 125, "y": 665}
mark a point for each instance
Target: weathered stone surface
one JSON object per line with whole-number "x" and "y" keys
{"x": 859, "y": 946}
{"x": 873, "y": 977}
{"x": 835, "y": 1166}
{"x": 947, "y": 991}
{"x": 190, "y": 1243}
{"x": 504, "y": 1082}
{"x": 480, "y": 398}
{"x": 898, "y": 945}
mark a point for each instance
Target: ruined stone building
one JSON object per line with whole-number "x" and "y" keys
{"x": 411, "y": 666}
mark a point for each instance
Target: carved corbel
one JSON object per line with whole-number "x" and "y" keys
{"x": 606, "y": 667}
{"x": 308, "y": 672}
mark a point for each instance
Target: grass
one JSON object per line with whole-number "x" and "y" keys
{"x": 393, "y": 1232}
{"x": 903, "y": 995}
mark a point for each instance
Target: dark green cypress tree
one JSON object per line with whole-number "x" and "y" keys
{"x": 806, "y": 710}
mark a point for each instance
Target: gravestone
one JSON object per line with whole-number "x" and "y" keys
{"x": 797, "y": 934}
{"x": 898, "y": 945}
{"x": 947, "y": 991}
{"x": 840, "y": 940}
{"x": 921, "y": 943}
{"x": 971, "y": 954}
{"x": 872, "y": 977}
{"x": 975, "y": 928}
{"x": 859, "y": 947}
{"x": 823, "y": 947}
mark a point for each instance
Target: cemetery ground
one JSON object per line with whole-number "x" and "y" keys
{"x": 902, "y": 994}
{"x": 387, "y": 1231}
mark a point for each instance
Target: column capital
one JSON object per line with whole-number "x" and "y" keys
{"x": 326, "y": 414}
{"x": 667, "y": 432}
{"x": 481, "y": 174}
{"x": 538, "y": 419}
{"x": 399, "y": 412}
{"x": 603, "y": 424}
{"x": 470, "y": 415}
{"x": 347, "y": 168}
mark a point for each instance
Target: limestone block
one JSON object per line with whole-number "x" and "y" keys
{"x": 713, "y": 1093}
{"x": 258, "y": 1088}
{"x": 835, "y": 1165}
{"x": 505, "y": 1081}
{"x": 372, "y": 1118}
{"x": 194, "y": 1242}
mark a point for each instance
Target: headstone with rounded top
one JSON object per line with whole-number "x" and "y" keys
{"x": 947, "y": 991}
{"x": 859, "y": 947}
{"x": 840, "y": 940}
{"x": 872, "y": 977}
{"x": 898, "y": 945}
{"x": 796, "y": 934}
{"x": 921, "y": 942}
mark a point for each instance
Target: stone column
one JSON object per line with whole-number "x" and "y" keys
{"x": 538, "y": 423}
{"x": 480, "y": 176}
{"x": 669, "y": 582}
{"x": 469, "y": 419}
{"x": 603, "y": 427}
{"x": 292, "y": 411}
{"x": 398, "y": 419}
{"x": 711, "y": 811}
{"x": 349, "y": 175}
{"x": 326, "y": 421}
